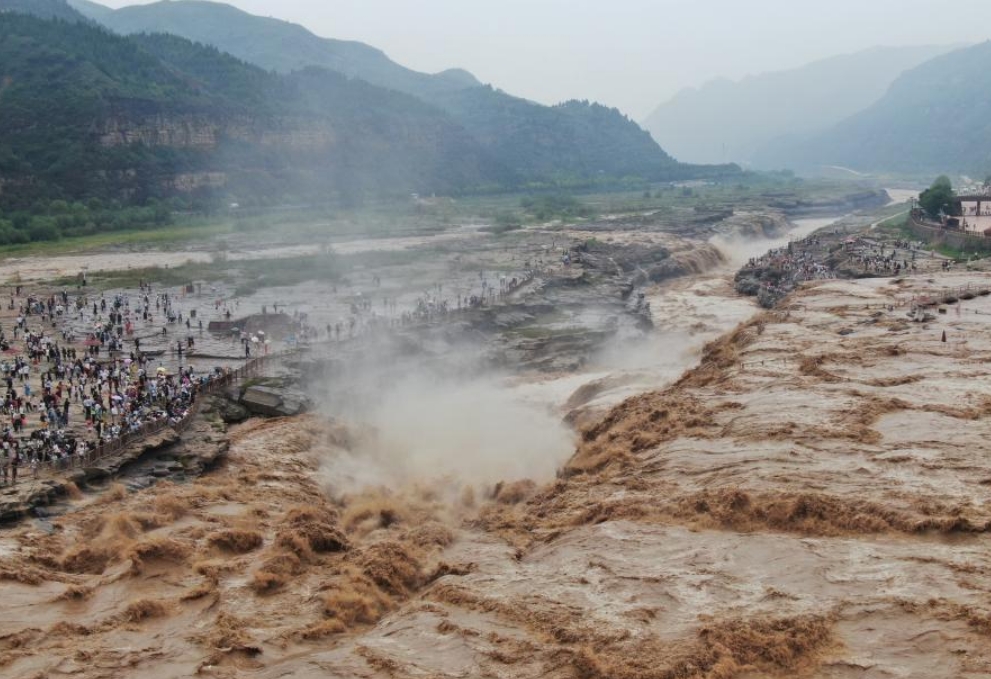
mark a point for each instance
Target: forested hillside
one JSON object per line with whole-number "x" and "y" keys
{"x": 45, "y": 9}
{"x": 571, "y": 144}
{"x": 572, "y": 141}
{"x": 89, "y": 114}
{"x": 95, "y": 123}
{"x": 272, "y": 44}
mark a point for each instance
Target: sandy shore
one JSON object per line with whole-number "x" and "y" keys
{"x": 46, "y": 267}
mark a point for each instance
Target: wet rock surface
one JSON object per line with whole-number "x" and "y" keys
{"x": 272, "y": 397}
{"x": 229, "y": 410}
{"x": 555, "y": 323}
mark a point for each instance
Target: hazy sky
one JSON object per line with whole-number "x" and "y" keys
{"x": 632, "y": 54}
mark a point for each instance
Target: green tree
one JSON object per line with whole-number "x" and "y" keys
{"x": 938, "y": 197}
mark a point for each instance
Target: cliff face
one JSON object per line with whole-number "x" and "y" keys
{"x": 246, "y": 156}
{"x": 179, "y": 132}
{"x": 187, "y": 182}
{"x": 206, "y": 133}
{"x": 14, "y": 185}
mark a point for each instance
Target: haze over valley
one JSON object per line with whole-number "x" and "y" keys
{"x": 575, "y": 340}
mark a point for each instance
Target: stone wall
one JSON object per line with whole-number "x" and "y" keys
{"x": 958, "y": 240}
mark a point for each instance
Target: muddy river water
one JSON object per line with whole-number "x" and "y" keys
{"x": 794, "y": 493}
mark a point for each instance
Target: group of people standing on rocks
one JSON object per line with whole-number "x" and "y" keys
{"x": 430, "y": 306}
{"x": 876, "y": 258}
{"x": 777, "y": 272}
{"x": 62, "y": 406}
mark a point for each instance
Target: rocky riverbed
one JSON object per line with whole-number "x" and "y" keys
{"x": 735, "y": 493}
{"x": 805, "y": 502}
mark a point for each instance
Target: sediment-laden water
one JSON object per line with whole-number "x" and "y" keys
{"x": 790, "y": 493}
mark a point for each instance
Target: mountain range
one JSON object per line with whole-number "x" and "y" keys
{"x": 567, "y": 142}
{"x": 90, "y": 114}
{"x": 160, "y": 106}
{"x": 200, "y": 99}
{"x": 725, "y": 121}
{"x": 272, "y": 44}
{"x": 934, "y": 119}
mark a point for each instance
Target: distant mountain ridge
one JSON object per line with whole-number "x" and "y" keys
{"x": 565, "y": 144}
{"x": 271, "y": 43}
{"x": 725, "y": 121}
{"x": 44, "y": 9}
{"x": 87, "y": 113}
{"x": 89, "y": 9}
{"x": 935, "y": 119}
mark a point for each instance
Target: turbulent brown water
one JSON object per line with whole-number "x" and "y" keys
{"x": 239, "y": 568}
{"x": 808, "y": 499}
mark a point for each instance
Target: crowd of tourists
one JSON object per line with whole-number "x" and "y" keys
{"x": 432, "y": 306}
{"x": 774, "y": 274}
{"x": 79, "y": 376}
{"x": 880, "y": 259}
{"x": 62, "y": 406}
